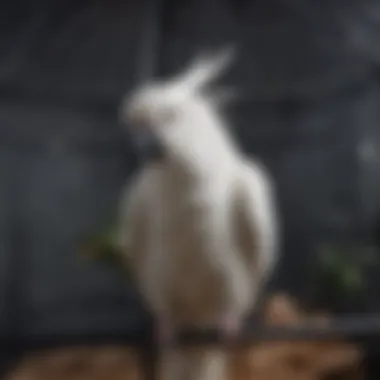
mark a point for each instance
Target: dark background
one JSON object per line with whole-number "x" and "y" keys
{"x": 309, "y": 72}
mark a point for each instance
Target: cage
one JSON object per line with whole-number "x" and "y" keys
{"x": 310, "y": 110}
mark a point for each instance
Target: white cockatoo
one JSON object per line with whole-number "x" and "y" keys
{"x": 198, "y": 223}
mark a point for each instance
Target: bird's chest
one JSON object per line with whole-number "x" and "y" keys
{"x": 188, "y": 238}
{"x": 183, "y": 227}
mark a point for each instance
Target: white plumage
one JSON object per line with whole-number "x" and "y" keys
{"x": 198, "y": 226}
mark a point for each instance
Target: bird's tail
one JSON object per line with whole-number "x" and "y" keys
{"x": 200, "y": 363}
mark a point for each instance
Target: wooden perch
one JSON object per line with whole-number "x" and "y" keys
{"x": 292, "y": 360}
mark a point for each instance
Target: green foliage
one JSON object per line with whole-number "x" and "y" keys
{"x": 102, "y": 246}
{"x": 344, "y": 267}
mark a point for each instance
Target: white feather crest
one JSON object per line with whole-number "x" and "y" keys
{"x": 206, "y": 67}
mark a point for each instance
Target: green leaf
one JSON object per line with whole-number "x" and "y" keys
{"x": 101, "y": 246}
{"x": 353, "y": 278}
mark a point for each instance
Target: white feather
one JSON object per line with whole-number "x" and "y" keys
{"x": 199, "y": 227}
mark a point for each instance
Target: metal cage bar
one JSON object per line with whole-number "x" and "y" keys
{"x": 353, "y": 327}
{"x": 146, "y": 66}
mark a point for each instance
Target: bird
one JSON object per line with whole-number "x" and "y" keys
{"x": 198, "y": 223}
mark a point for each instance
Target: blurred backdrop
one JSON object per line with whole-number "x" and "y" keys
{"x": 309, "y": 75}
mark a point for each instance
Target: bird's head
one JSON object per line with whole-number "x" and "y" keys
{"x": 178, "y": 117}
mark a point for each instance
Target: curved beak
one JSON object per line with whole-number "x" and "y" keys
{"x": 147, "y": 145}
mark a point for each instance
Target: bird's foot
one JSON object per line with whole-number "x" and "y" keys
{"x": 230, "y": 326}
{"x": 164, "y": 333}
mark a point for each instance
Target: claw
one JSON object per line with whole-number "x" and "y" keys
{"x": 230, "y": 327}
{"x": 164, "y": 333}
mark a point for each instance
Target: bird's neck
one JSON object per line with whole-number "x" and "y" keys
{"x": 217, "y": 166}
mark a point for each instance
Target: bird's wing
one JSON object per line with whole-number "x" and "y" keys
{"x": 255, "y": 221}
{"x": 135, "y": 240}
